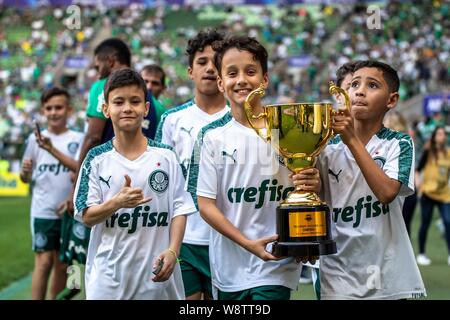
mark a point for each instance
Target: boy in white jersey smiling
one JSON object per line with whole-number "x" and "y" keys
{"x": 48, "y": 165}
{"x": 366, "y": 171}
{"x": 131, "y": 191}
{"x": 179, "y": 128}
{"x": 240, "y": 181}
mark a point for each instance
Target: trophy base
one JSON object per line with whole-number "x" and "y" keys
{"x": 304, "y": 230}
{"x": 303, "y": 249}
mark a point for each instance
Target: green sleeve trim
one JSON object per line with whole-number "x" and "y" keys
{"x": 83, "y": 189}
{"x": 195, "y": 157}
{"x": 158, "y": 136}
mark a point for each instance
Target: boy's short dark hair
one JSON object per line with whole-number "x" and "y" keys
{"x": 344, "y": 70}
{"x": 389, "y": 74}
{"x": 243, "y": 43}
{"x": 123, "y": 78}
{"x": 116, "y": 48}
{"x": 200, "y": 41}
{"x": 154, "y": 68}
{"x": 54, "y": 91}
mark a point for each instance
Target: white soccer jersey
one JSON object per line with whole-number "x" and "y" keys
{"x": 244, "y": 175}
{"x": 122, "y": 249}
{"x": 375, "y": 259}
{"x": 51, "y": 178}
{"x": 179, "y": 128}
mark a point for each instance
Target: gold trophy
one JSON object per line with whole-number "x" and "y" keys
{"x": 298, "y": 132}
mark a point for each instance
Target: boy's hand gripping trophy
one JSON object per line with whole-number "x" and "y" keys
{"x": 298, "y": 132}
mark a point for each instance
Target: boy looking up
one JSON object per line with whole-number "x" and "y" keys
{"x": 373, "y": 173}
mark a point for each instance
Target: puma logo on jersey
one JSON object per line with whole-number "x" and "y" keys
{"x": 186, "y": 130}
{"x": 336, "y": 176}
{"x": 105, "y": 181}
{"x": 231, "y": 156}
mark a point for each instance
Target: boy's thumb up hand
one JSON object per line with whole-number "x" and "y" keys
{"x": 127, "y": 181}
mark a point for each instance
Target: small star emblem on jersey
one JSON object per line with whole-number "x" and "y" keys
{"x": 158, "y": 164}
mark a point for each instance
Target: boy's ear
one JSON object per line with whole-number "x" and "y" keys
{"x": 190, "y": 73}
{"x": 220, "y": 84}
{"x": 265, "y": 80}
{"x": 111, "y": 61}
{"x": 147, "y": 107}
{"x": 70, "y": 109}
{"x": 393, "y": 99}
{"x": 105, "y": 110}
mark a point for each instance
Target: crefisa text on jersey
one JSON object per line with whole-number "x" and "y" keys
{"x": 149, "y": 219}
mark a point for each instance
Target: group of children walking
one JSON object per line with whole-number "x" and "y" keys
{"x": 179, "y": 216}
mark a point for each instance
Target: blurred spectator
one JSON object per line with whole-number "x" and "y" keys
{"x": 434, "y": 189}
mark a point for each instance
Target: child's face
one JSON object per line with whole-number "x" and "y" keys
{"x": 126, "y": 106}
{"x": 240, "y": 75}
{"x": 56, "y": 110}
{"x": 369, "y": 95}
{"x": 203, "y": 72}
{"x": 345, "y": 84}
{"x": 153, "y": 83}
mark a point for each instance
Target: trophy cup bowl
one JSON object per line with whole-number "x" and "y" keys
{"x": 298, "y": 132}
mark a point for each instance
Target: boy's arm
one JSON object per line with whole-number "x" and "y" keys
{"x": 170, "y": 255}
{"x": 214, "y": 217}
{"x": 46, "y": 144}
{"x": 26, "y": 170}
{"x": 384, "y": 187}
{"x": 127, "y": 197}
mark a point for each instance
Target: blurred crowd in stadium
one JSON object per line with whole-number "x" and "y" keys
{"x": 306, "y": 45}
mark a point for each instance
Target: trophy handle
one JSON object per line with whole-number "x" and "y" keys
{"x": 336, "y": 90}
{"x": 260, "y": 91}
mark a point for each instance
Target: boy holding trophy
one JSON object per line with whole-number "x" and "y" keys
{"x": 179, "y": 128}
{"x": 239, "y": 182}
{"x": 367, "y": 171}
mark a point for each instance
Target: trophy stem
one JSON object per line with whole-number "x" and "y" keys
{"x": 301, "y": 197}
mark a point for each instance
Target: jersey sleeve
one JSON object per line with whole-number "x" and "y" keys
{"x": 400, "y": 165}
{"x": 182, "y": 200}
{"x": 95, "y": 101}
{"x": 87, "y": 190}
{"x": 163, "y": 133}
{"x": 207, "y": 171}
